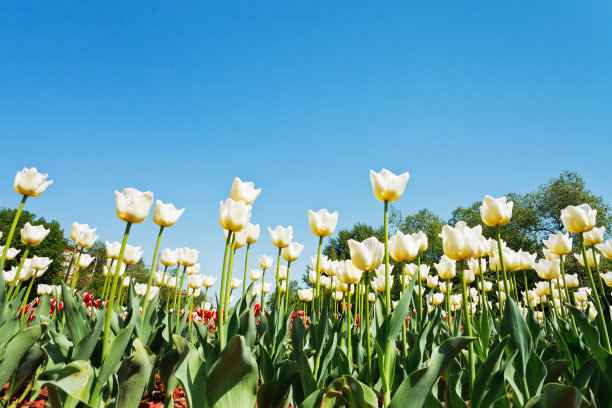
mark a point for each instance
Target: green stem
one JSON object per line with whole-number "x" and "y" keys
{"x": 190, "y": 311}
{"x": 27, "y": 294}
{"x": 468, "y": 323}
{"x": 349, "y": 330}
{"x": 387, "y": 277}
{"x": 109, "y": 309}
{"x": 16, "y": 278}
{"x": 9, "y": 239}
{"x": 318, "y": 291}
{"x": 501, "y": 262}
{"x": 419, "y": 298}
{"x": 230, "y": 268}
{"x": 220, "y": 310}
{"x": 144, "y": 302}
{"x": 447, "y": 296}
{"x": 105, "y": 287}
{"x": 263, "y": 277}
{"x": 404, "y": 336}
{"x": 277, "y": 279}
{"x": 601, "y": 286}
{"x": 287, "y": 288}
{"x": 75, "y": 275}
{"x": 246, "y": 265}
{"x": 600, "y": 314}
{"x": 179, "y": 297}
{"x": 71, "y": 263}
{"x": 367, "y": 328}
{"x": 483, "y": 292}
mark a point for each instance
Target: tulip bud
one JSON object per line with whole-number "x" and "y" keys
{"x": 40, "y": 263}
{"x": 255, "y": 274}
{"x": 166, "y": 215}
{"x": 187, "y": 256}
{"x": 446, "y": 268}
{"x": 252, "y": 233}
{"x": 113, "y": 249}
{"x": 234, "y": 215}
{"x": 195, "y": 281}
{"x": 403, "y": 247}
{"x": 460, "y": 242}
{"x": 388, "y": 186}
{"x": 305, "y": 295}
{"x": 169, "y": 257}
{"x": 193, "y": 270}
{"x": 577, "y": 219}
{"x": 322, "y": 223}
{"x": 495, "y": 211}
{"x": 11, "y": 253}
{"x": 132, "y": 205}
{"x": 592, "y": 260}
{"x": 281, "y": 237}
{"x": 605, "y": 248}
{"x": 559, "y": 243}
{"x": 349, "y": 274}
{"x": 235, "y": 283}
{"x": 86, "y": 238}
{"x": 265, "y": 262}
{"x": 31, "y": 183}
{"x": 33, "y": 235}
{"x": 208, "y": 281}
{"x": 547, "y": 269}
{"x": 244, "y": 191}
{"x": 132, "y": 254}
{"x": 594, "y": 236}
{"x": 85, "y": 260}
{"x": 366, "y": 255}
{"x": 292, "y": 252}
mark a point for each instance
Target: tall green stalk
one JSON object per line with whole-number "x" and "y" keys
{"x": 601, "y": 286}
{"x": 387, "y": 277}
{"x": 318, "y": 291}
{"x": 263, "y": 277}
{"x": 278, "y": 260}
{"x": 75, "y": 275}
{"x": 404, "y": 328}
{"x": 468, "y": 323}
{"x": 9, "y": 239}
{"x": 287, "y": 288}
{"x": 246, "y": 265}
{"x": 600, "y": 314}
{"x": 220, "y": 310}
{"x": 70, "y": 264}
{"x": 179, "y": 295}
{"x": 501, "y": 264}
{"x": 144, "y": 302}
{"x": 109, "y": 309}
{"x": 16, "y": 278}
{"x": 228, "y": 282}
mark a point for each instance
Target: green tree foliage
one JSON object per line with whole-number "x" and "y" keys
{"x": 53, "y": 246}
{"x": 294, "y": 300}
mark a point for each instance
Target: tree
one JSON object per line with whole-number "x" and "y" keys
{"x": 53, "y": 246}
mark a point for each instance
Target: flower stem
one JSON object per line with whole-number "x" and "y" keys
{"x": 9, "y": 238}
{"x": 404, "y": 340}
{"x": 222, "y": 297}
{"x": 144, "y": 302}
{"x": 600, "y": 314}
{"x": 109, "y": 309}
{"x": 601, "y": 286}
{"x": 468, "y": 323}
{"x": 27, "y": 294}
{"x": 318, "y": 291}
{"x": 367, "y": 328}
{"x": 179, "y": 296}
{"x": 70, "y": 264}
{"x": 387, "y": 277}
{"x": 501, "y": 264}
{"x": 263, "y": 277}
{"x": 230, "y": 268}
{"x": 16, "y": 278}
{"x": 277, "y": 295}
{"x": 246, "y": 264}
{"x": 287, "y": 288}
{"x": 349, "y": 330}
{"x": 105, "y": 287}
{"x": 75, "y": 275}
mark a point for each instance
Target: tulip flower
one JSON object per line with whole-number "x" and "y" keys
{"x": 234, "y": 215}
{"x": 446, "y": 268}
{"x": 11, "y": 253}
{"x": 592, "y": 259}
{"x": 244, "y": 191}
{"x": 282, "y": 273}
{"x": 495, "y": 211}
{"x": 85, "y": 260}
{"x": 292, "y": 252}
{"x": 366, "y": 255}
{"x": 31, "y": 183}
{"x": 132, "y": 205}
{"x": 193, "y": 270}
{"x": 438, "y": 298}
{"x": 577, "y": 219}
{"x": 607, "y": 277}
{"x": 403, "y": 247}
{"x": 460, "y": 242}
{"x": 158, "y": 278}
{"x": 188, "y": 256}
{"x": 322, "y": 223}
{"x": 305, "y": 295}
{"x": 594, "y": 236}
{"x": 112, "y": 249}
{"x": 432, "y": 281}
{"x": 349, "y": 274}
{"x": 33, "y": 235}
{"x": 281, "y": 237}
{"x": 169, "y": 257}
{"x": 139, "y": 288}
{"x": 255, "y": 274}
{"x": 388, "y": 186}
{"x": 166, "y": 215}
{"x": 559, "y": 243}
{"x": 265, "y": 262}
{"x": 196, "y": 281}
{"x": 547, "y": 269}
{"x": 40, "y": 263}
{"x": 379, "y": 284}
{"x": 412, "y": 269}
{"x": 132, "y": 254}
{"x": 252, "y": 233}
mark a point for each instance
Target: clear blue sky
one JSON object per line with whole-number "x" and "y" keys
{"x": 303, "y": 98}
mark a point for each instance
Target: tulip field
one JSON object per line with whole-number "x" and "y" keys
{"x": 348, "y": 342}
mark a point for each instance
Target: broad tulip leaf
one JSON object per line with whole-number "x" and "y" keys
{"x": 536, "y": 374}
{"x": 514, "y": 325}
{"x": 74, "y": 319}
{"x": 558, "y": 395}
{"x": 274, "y": 393}
{"x": 134, "y": 376}
{"x": 554, "y": 369}
{"x": 313, "y": 400}
{"x": 347, "y": 390}
{"x": 417, "y": 386}
{"x": 485, "y": 372}
{"x": 401, "y": 311}
{"x": 192, "y": 375}
{"x": 233, "y": 379}
{"x": 17, "y": 349}
{"x": 75, "y": 379}
{"x": 86, "y": 346}
{"x": 115, "y": 351}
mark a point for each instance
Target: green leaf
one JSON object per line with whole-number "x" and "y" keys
{"x": 347, "y": 390}
{"x": 485, "y": 372}
{"x": 514, "y": 325}
{"x": 74, "y": 319}
{"x": 86, "y": 346}
{"x": 554, "y": 369}
{"x": 558, "y": 395}
{"x": 191, "y": 373}
{"x": 75, "y": 379}
{"x": 417, "y": 386}
{"x": 134, "y": 376}
{"x": 274, "y": 393}
{"x": 401, "y": 311}
{"x": 233, "y": 379}
{"x": 17, "y": 349}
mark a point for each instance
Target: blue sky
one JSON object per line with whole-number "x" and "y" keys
{"x": 303, "y": 98}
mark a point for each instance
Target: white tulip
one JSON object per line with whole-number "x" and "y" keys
{"x": 571, "y": 281}
{"x": 113, "y": 249}
{"x": 349, "y": 274}
{"x": 193, "y": 270}
{"x": 11, "y": 253}
{"x": 366, "y": 255}
{"x": 590, "y": 258}
{"x": 283, "y": 286}
{"x": 460, "y": 242}
{"x": 265, "y": 262}
{"x": 495, "y": 211}
{"x": 443, "y": 286}
{"x": 403, "y": 247}
{"x": 166, "y": 215}
{"x": 488, "y": 286}
{"x": 252, "y": 233}
{"x": 85, "y": 260}
{"x": 9, "y": 276}
{"x": 292, "y": 252}
{"x": 170, "y": 282}
{"x": 240, "y": 238}
{"x": 86, "y": 239}
{"x": 607, "y": 277}
{"x": 446, "y": 268}
{"x": 40, "y": 263}
{"x": 255, "y": 274}
{"x": 196, "y": 281}
{"x": 31, "y": 183}
{"x": 244, "y": 191}
{"x": 158, "y": 278}
{"x": 422, "y": 238}
{"x": 371, "y": 297}
{"x": 140, "y": 289}
{"x": 305, "y": 295}
{"x": 476, "y": 265}
{"x": 468, "y": 276}
{"x": 312, "y": 276}
{"x": 547, "y": 269}
{"x": 33, "y": 235}
{"x": 322, "y": 223}
{"x": 605, "y": 248}
{"x": 282, "y": 272}
{"x": 411, "y": 270}
{"x": 188, "y": 256}
{"x": 43, "y": 289}
{"x": 266, "y": 288}
{"x": 112, "y": 268}
{"x": 559, "y": 243}
{"x": 234, "y": 215}
{"x": 432, "y": 281}
{"x": 438, "y": 298}
{"x": 132, "y": 254}
{"x": 379, "y": 283}
{"x": 132, "y": 205}
{"x": 281, "y": 237}
{"x": 208, "y": 281}
{"x": 169, "y": 257}
{"x": 594, "y": 236}
{"x": 577, "y": 219}
{"x": 388, "y": 186}
{"x": 126, "y": 284}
